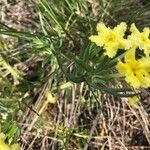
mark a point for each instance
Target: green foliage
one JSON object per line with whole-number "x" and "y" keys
{"x": 11, "y": 131}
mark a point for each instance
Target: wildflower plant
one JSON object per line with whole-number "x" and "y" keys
{"x": 71, "y": 50}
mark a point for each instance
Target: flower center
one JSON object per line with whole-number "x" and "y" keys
{"x": 111, "y": 38}
{"x": 144, "y": 39}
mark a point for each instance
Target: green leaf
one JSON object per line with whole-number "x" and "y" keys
{"x": 76, "y": 79}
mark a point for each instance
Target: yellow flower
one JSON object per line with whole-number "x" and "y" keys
{"x": 111, "y": 39}
{"x": 15, "y": 147}
{"x": 3, "y": 146}
{"x": 140, "y": 39}
{"x": 136, "y": 72}
{"x": 133, "y": 100}
{"x": 50, "y": 98}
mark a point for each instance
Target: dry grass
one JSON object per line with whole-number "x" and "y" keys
{"x": 117, "y": 126}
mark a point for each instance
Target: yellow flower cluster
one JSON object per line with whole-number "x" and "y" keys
{"x": 4, "y": 146}
{"x": 136, "y": 71}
